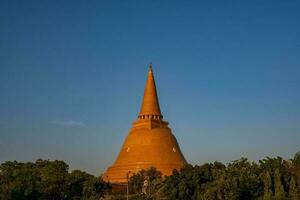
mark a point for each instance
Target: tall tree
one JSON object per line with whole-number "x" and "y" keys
{"x": 279, "y": 190}
{"x": 296, "y": 159}
{"x": 293, "y": 190}
{"x": 267, "y": 186}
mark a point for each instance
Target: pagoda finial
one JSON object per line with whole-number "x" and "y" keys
{"x": 150, "y": 66}
{"x": 150, "y": 106}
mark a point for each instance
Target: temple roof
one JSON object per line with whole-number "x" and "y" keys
{"x": 150, "y": 105}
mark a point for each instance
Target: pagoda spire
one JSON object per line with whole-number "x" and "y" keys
{"x": 149, "y": 143}
{"x": 150, "y": 106}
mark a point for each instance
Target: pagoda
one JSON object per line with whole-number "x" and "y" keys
{"x": 150, "y": 142}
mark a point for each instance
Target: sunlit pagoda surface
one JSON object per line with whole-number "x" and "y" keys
{"x": 150, "y": 142}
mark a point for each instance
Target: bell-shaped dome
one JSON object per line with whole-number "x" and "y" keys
{"x": 150, "y": 142}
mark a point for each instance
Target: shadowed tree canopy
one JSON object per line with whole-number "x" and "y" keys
{"x": 269, "y": 179}
{"x": 47, "y": 180}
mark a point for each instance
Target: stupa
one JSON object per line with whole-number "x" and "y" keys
{"x": 150, "y": 142}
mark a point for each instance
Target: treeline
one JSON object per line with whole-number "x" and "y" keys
{"x": 268, "y": 179}
{"x": 48, "y": 180}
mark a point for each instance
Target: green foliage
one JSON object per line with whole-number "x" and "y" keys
{"x": 269, "y": 179}
{"x": 239, "y": 180}
{"x": 136, "y": 180}
{"x": 18, "y": 181}
{"x": 268, "y": 194}
{"x": 293, "y": 190}
{"x": 279, "y": 191}
{"x": 296, "y": 160}
{"x": 47, "y": 180}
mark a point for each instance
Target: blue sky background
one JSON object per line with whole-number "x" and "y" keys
{"x": 72, "y": 75}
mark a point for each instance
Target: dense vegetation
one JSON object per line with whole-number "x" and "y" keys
{"x": 47, "y": 180}
{"x": 272, "y": 178}
{"x": 269, "y": 179}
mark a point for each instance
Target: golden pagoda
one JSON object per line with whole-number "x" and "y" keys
{"x": 150, "y": 142}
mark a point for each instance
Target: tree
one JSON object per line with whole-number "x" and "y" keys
{"x": 19, "y": 181}
{"x": 271, "y": 178}
{"x": 94, "y": 188}
{"x": 269, "y": 164}
{"x": 267, "y": 186}
{"x": 279, "y": 190}
{"x": 54, "y": 177}
{"x": 293, "y": 190}
{"x": 47, "y": 180}
{"x": 136, "y": 181}
{"x": 76, "y": 182}
{"x": 296, "y": 159}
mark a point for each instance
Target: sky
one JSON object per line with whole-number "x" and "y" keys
{"x": 72, "y": 75}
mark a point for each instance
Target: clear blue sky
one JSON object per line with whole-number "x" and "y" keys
{"x": 72, "y": 75}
